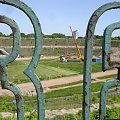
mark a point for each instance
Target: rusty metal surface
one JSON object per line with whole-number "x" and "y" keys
{"x": 30, "y": 70}
{"x": 118, "y": 77}
{"x": 103, "y": 97}
{"x": 110, "y": 60}
{"x": 88, "y": 55}
{"x": 5, "y": 60}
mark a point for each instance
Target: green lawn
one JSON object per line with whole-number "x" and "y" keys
{"x": 47, "y": 69}
{"x": 72, "y": 91}
{"x": 69, "y": 84}
{"x": 74, "y": 101}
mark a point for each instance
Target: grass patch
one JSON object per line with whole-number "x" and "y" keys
{"x": 73, "y": 66}
{"x": 30, "y": 102}
{"x": 72, "y": 91}
{"x": 47, "y": 69}
{"x": 68, "y": 102}
{"x": 111, "y": 114}
{"x": 53, "y": 72}
{"x": 108, "y": 76}
{"x": 69, "y": 84}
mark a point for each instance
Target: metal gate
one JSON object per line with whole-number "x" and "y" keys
{"x": 107, "y": 63}
{"x": 30, "y": 70}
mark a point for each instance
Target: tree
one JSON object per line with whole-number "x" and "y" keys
{"x": 58, "y": 35}
{"x": 1, "y": 34}
{"x": 98, "y": 36}
{"x": 23, "y": 35}
{"x": 31, "y": 35}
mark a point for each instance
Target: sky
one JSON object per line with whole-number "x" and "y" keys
{"x": 56, "y": 16}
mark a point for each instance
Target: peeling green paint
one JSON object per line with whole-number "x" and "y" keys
{"x": 106, "y": 62}
{"x": 103, "y": 97}
{"x": 5, "y": 60}
{"x": 88, "y": 55}
{"x": 30, "y": 70}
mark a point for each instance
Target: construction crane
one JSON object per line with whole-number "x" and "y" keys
{"x": 80, "y": 56}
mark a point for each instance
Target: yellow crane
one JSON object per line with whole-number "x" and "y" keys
{"x": 79, "y": 58}
{"x": 79, "y": 54}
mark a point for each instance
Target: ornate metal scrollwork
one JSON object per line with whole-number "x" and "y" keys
{"x": 5, "y": 60}
{"x": 88, "y": 56}
{"x": 30, "y": 70}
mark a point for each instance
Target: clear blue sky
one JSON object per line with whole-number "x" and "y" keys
{"x": 56, "y": 15}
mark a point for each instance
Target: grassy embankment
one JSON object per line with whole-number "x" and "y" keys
{"x": 53, "y": 51}
{"x": 47, "y": 69}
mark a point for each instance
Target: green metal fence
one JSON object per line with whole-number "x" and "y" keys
{"x": 106, "y": 61}
{"x": 30, "y": 70}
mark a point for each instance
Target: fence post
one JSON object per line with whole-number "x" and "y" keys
{"x": 88, "y": 55}
{"x": 30, "y": 70}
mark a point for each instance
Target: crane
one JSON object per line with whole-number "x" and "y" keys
{"x": 79, "y": 58}
{"x": 76, "y": 44}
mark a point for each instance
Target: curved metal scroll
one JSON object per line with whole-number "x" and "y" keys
{"x": 5, "y": 60}
{"x": 103, "y": 97}
{"x": 106, "y": 61}
{"x": 106, "y": 64}
{"x": 30, "y": 70}
{"x": 88, "y": 55}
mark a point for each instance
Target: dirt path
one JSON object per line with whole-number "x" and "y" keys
{"x": 42, "y": 57}
{"x": 28, "y": 87}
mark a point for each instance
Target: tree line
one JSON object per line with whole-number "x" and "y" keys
{"x": 54, "y": 35}
{"x": 31, "y": 35}
{"x": 22, "y": 35}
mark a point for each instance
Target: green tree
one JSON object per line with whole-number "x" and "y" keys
{"x": 1, "y": 34}
{"x": 58, "y": 35}
{"x": 31, "y": 35}
{"x": 23, "y": 35}
{"x": 98, "y": 36}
